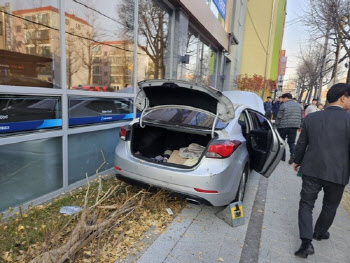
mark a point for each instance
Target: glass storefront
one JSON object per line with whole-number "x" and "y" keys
{"x": 37, "y": 101}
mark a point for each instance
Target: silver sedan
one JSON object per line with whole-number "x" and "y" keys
{"x": 197, "y": 141}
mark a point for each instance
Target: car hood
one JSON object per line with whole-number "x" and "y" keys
{"x": 172, "y": 93}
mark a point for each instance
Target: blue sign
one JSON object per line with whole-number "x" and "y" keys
{"x": 221, "y": 6}
{"x": 99, "y": 119}
{"x": 29, "y": 125}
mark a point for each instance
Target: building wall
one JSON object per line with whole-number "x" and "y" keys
{"x": 256, "y": 46}
{"x": 280, "y": 15}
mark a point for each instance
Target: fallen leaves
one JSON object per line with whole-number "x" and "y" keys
{"x": 48, "y": 229}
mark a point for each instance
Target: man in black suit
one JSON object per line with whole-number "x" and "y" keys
{"x": 323, "y": 155}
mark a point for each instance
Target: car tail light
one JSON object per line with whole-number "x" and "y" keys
{"x": 117, "y": 168}
{"x": 205, "y": 191}
{"x": 122, "y": 133}
{"x": 222, "y": 148}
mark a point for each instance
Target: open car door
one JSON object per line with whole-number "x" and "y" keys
{"x": 264, "y": 144}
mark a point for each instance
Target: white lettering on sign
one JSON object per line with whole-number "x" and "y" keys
{"x": 106, "y": 111}
{"x": 4, "y": 127}
{"x": 4, "y": 117}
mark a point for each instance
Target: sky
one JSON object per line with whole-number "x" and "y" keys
{"x": 295, "y": 35}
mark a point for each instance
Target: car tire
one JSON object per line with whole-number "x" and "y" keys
{"x": 242, "y": 185}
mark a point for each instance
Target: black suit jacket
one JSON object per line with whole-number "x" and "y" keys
{"x": 323, "y": 148}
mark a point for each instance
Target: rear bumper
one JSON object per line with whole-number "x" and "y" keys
{"x": 182, "y": 196}
{"x": 221, "y": 175}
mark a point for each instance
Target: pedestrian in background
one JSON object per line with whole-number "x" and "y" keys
{"x": 311, "y": 108}
{"x": 276, "y": 106}
{"x": 288, "y": 121}
{"x": 319, "y": 107}
{"x": 268, "y": 108}
{"x": 322, "y": 153}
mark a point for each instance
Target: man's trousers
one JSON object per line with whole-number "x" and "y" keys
{"x": 332, "y": 196}
{"x": 291, "y": 135}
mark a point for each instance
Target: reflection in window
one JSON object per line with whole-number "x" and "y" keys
{"x": 154, "y": 37}
{"x": 25, "y": 113}
{"x": 100, "y": 51}
{"x": 84, "y": 111}
{"x": 202, "y": 61}
{"x": 29, "y": 44}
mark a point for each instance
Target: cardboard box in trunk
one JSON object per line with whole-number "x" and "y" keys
{"x": 175, "y": 158}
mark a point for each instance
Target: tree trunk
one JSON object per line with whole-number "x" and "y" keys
{"x": 316, "y": 91}
{"x": 301, "y": 93}
{"x": 348, "y": 77}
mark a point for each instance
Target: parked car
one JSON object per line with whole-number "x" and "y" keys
{"x": 229, "y": 130}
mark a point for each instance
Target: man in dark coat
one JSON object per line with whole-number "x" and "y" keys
{"x": 268, "y": 108}
{"x": 276, "y": 107}
{"x": 323, "y": 155}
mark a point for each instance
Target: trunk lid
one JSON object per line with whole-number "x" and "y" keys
{"x": 155, "y": 93}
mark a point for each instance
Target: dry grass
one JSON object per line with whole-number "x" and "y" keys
{"x": 42, "y": 228}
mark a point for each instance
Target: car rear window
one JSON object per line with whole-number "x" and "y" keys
{"x": 184, "y": 117}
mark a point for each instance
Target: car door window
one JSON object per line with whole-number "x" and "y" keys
{"x": 243, "y": 121}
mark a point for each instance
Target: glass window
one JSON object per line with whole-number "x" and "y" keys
{"x": 29, "y": 51}
{"x": 84, "y": 110}
{"x": 154, "y": 39}
{"x": 202, "y": 61}
{"x": 84, "y": 153}
{"x": 29, "y": 170}
{"x": 183, "y": 117}
{"x": 98, "y": 32}
{"x": 27, "y": 113}
{"x": 189, "y": 71}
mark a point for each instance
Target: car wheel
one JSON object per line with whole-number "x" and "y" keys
{"x": 242, "y": 185}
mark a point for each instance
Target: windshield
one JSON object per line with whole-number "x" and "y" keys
{"x": 184, "y": 117}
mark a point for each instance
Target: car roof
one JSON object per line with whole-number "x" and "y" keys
{"x": 246, "y": 99}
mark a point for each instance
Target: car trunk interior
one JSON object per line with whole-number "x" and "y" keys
{"x": 161, "y": 145}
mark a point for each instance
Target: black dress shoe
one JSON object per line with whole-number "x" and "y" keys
{"x": 305, "y": 249}
{"x": 319, "y": 237}
{"x": 291, "y": 160}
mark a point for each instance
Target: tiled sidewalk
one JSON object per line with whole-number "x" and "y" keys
{"x": 280, "y": 233}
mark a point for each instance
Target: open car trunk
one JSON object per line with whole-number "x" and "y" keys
{"x": 161, "y": 145}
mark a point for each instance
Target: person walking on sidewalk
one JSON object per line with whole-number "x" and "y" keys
{"x": 288, "y": 121}
{"x": 276, "y": 107}
{"x": 311, "y": 108}
{"x": 323, "y": 156}
{"x": 268, "y": 108}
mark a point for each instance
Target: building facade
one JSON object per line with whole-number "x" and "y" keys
{"x": 263, "y": 35}
{"x": 69, "y": 73}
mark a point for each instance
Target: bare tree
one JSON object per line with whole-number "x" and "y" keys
{"x": 152, "y": 26}
{"x": 73, "y": 59}
{"x": 309, "y": 72}
{"x": 332, "y": 18}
